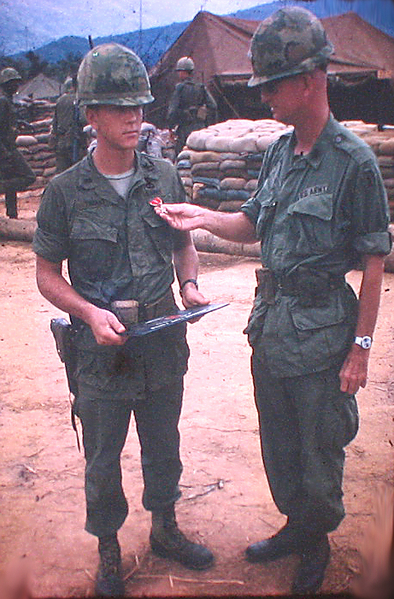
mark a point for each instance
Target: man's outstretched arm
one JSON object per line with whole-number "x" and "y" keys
{"x": 234, "y": 226}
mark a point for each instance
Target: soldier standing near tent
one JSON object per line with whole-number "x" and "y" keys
{"x": 319, "y": 210}
{"x": 67, "y": 135}
{"x": 15, "y": 174}
{"x": 98, "y": 217}
{"x": 191, "y": 106}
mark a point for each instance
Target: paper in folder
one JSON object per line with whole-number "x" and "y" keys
{"x": 162, "y": 322}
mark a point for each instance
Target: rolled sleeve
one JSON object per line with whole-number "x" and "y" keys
{"x": 370, "y": 212}
{"x": 373, "y": 243}
{"x": 49, "y": 246}
{"x": 51, "y": 240}
{"x": 251, "y": 208}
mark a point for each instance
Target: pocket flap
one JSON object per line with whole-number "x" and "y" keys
{"x": 319, "y": 206}
{"x": 306, "y": 319}
{"x": 153, "y": 219}
{"x": 87, "y": 229}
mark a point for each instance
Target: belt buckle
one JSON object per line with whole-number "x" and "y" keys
{"x": 126, "y": 311}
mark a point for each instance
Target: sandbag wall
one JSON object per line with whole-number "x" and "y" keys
{"x": 219, "y": 166}
{"x": 34, "y": 146}
{"x": 382, "y": 143}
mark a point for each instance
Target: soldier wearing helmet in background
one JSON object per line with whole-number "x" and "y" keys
{"x": 98, "y": 217}
{"x": 191, "y": 106}
{"x": 15, "y": 174}
{"x": 319, "y": 210}
{"x": 67, "y": 135}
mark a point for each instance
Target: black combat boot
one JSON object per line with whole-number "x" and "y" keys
{"x": 314, "y": 560}
{"x": 168, "y": 541}
{"x": 109, "y": 581}
{"x": 285, "y": 542}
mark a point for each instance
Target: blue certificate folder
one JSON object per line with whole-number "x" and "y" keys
{"x": 151, "y": 326}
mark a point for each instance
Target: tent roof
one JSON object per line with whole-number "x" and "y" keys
{"x": 40, "y": 87}
{"x": 219, "y": 46}
{"x": 359, "y": 46}
{"x": 216, "y": 44}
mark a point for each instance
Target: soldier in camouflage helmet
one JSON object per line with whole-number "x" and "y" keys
{"x": 67, "y": 135}
{"x": 15, "y": 173}
{"x": 191, "y": 106}
{"x": 112, "y": 74}
{"x": 320, "y": 209}
{"x": 98, "y": 216}
{"x": 290, "y": 42}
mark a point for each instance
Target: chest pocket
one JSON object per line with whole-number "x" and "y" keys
{"x": 159, "y": 233}
{"x": 311, "y": 224}
{"x": 93, "y": 246}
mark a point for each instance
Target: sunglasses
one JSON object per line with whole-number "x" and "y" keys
{"x": 271, "y": 87}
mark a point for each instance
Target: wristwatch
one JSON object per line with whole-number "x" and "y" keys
{"x": 364, "y": 342}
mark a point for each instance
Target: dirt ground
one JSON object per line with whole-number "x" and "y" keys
{"x": 226, "y": 502}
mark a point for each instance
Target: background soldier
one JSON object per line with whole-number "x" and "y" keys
{"x": 191, "y": 106}
{"x": 15, "y": 173}
{"x": 67, "y": 135}
{"x": 97, "y": 215}
{"x": 319, "y": 210}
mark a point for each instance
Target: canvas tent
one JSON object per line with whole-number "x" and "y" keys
{"x": 39, "y": 88}
{"x": 360, "y": 73}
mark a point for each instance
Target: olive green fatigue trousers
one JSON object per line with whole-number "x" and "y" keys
{"x": 305, "y": 423}
{"x": 105, "y": 425}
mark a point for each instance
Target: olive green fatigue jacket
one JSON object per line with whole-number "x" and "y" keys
{"x": 187, "y": 97}
{"x": 317, "y": 213}
{"x": 8, "y": 131}
{"x": 116, "y": 249}
{"x": 67, "y": 126}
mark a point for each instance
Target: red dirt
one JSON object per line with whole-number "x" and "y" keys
{"x": 226, "y": 502}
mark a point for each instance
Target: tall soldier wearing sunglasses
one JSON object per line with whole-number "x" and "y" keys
{"x": 320, "y": 209}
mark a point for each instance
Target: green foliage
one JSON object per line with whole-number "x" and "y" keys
{"x": 35, "y": 65}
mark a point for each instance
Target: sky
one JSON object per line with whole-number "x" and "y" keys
{"x": 153, "y": 13}
{"x": 104, "y": 17}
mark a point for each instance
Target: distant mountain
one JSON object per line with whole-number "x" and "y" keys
{"x": 150, "y": 44}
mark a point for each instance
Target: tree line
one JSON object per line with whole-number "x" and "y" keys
{"x": 31, "y": 65}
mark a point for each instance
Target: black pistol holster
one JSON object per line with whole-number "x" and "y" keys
{"x": 266, "y": 286}
{"x": 63, "y": 333}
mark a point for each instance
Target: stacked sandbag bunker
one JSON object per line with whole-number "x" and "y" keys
{"x": 219, "y": 165}
{"x": 34, "y": 145}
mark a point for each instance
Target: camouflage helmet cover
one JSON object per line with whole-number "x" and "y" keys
{"x": 113, "y": 74}
{"x": 9, "y": 74}
{"x": 290, "y": 41}
{"x": 185, "y": 64}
